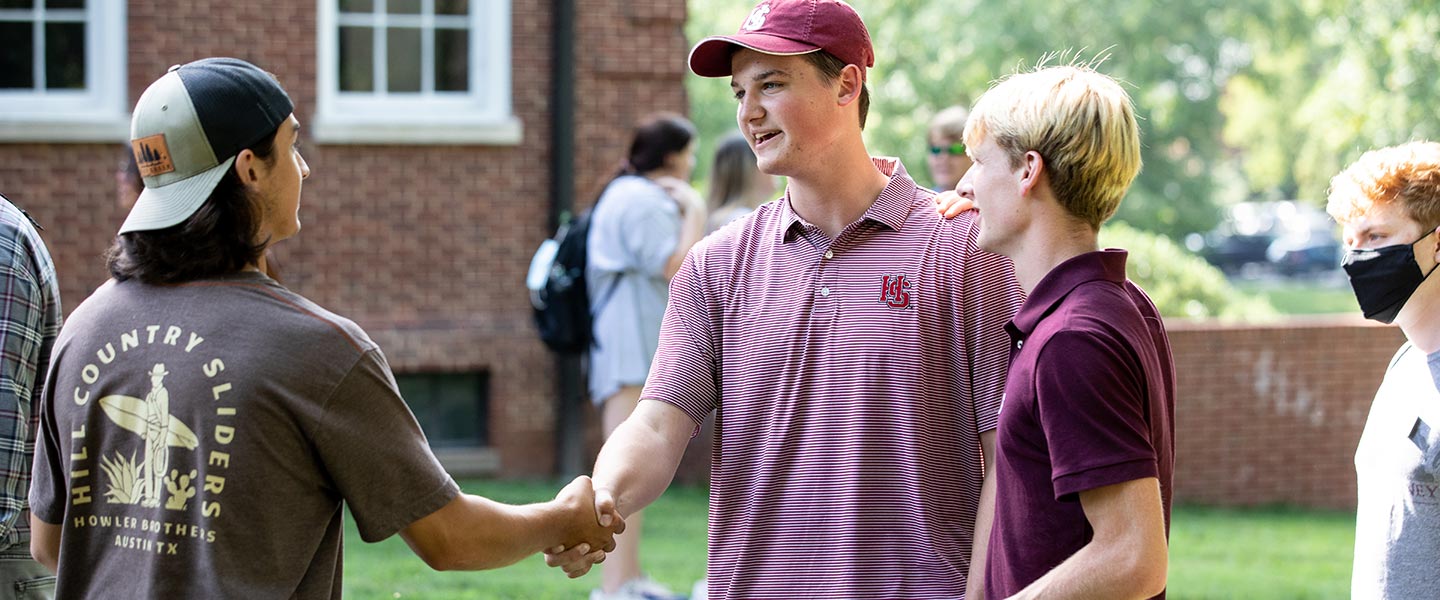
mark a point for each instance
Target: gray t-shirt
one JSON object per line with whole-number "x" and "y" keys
{"x": 632, "y": 235}
{"x": 197, "y": 442}
{"x": 1397, "y": 524}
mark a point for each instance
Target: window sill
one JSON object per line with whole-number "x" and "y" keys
{"x": 109, "y": 129}
{"x": 503, "y": 132}
{"x": 469, "y": 462}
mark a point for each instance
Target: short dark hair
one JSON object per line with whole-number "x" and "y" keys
{"x": 218, "y": 239}
{"x": 830, "y": 68}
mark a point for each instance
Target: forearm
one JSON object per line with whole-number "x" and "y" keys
{"x": 1128, "y": 556}
{"x": 474, "y": 533}
{"x": 640, "y": 458}
{"x": 980, "y": 546}
{"x": 1099, "y": 572}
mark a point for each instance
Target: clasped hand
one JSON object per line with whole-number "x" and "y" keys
{"x": 595, "y": 522}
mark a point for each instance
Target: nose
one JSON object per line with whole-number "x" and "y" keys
{"x": 965, "y": 187}
{"x": 304, "y": 168}
{"x": 748, "y": 110}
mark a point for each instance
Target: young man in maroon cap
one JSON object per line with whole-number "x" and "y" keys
{"x": 850, "y": 340}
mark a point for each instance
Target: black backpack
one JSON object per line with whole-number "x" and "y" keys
{"x": 558, "y": 290}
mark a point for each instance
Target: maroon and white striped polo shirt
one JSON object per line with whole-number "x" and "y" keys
{"x": 853, "y": 378}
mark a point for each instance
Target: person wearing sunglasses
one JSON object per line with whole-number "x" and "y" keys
{"x": 947, "y": 159}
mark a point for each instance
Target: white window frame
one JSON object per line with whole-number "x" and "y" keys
{"x": 482, "y": 115}
{"x": 97, "y": 113}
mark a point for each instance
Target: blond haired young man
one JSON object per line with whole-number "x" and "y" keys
{"x": 850, "y": 340}
{"x": 1084, "y": 448}
{"x": 1389, "y": 205}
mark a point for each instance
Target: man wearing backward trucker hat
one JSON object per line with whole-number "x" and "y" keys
{"x": 851, "y": 341}
{"x": 202, "y": 424}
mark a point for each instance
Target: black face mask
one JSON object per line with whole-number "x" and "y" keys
{"x": 1384, "y": 278}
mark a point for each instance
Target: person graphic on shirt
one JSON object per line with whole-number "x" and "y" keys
{"x": 850, "y": 341}
{"x": 157, "y": 435}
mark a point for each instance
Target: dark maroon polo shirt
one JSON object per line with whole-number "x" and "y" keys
{"x": 1088, "y": 403}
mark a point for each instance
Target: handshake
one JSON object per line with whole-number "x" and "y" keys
{"x": 588, "y": 522}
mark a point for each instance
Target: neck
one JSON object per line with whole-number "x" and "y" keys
{"x": 1044, "y": 248}
{"x": 841, "y": 194}
{"x": 1418, "y": 320}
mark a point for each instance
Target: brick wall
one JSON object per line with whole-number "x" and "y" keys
{"x": 424, "y": 246}
{"x": 1271, "y": 415}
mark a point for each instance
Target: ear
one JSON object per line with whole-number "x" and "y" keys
{"x": 852, "y": 80}
{"x": 1032, "y": 169}
{"x": 247, "y": 167}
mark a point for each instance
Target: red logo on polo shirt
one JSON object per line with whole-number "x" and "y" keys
{"x": 895, "y": 291}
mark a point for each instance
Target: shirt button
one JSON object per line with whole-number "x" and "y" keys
{"x": 825, "y": 291}
{"x": 829, "y": 254}
{"x": 1019, "y": 344}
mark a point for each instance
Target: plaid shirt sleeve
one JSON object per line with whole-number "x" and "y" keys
{"x": 29, "y": 321}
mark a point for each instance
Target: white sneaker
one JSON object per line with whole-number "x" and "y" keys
{"x": 639, "y": 588}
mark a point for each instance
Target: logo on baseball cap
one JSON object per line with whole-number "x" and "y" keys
{"x": 787, "y": 28}
{"x": 188, "y": 128}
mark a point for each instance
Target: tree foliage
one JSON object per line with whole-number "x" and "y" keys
{"x": 1242, "y": 99}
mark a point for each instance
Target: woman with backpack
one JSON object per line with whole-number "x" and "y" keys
{"x": 643, "y": 224}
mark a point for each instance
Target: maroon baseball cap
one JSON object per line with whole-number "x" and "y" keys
{"x": 786, "y": 28}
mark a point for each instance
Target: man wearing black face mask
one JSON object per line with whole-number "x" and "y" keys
{"x": 1389, "y": 205}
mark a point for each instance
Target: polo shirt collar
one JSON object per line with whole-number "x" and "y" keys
{"x": 891, "y": 209}
{"x": 1103, "y": 265}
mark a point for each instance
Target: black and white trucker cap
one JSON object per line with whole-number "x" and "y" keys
{"x": 188, "y": 128}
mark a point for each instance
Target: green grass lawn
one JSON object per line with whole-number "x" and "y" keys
{"x": 1216, "y": 553}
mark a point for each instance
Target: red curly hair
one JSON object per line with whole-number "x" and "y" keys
{"x": 1408, "y": 174}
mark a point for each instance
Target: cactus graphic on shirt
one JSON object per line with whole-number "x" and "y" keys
{"x": 180, "y": 489}
{"x": 149, "y": 418}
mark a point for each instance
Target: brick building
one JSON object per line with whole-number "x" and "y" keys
{"x": 426, "y": 201}
{"x": 430, "y": 129}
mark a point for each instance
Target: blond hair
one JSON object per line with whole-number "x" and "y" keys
{"x": 1080, "y": 121}
{"x": 949, "y": 122}
{"x": 1408, "y": 174}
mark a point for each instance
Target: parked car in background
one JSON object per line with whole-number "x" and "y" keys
{"x": 1284, "y": 237}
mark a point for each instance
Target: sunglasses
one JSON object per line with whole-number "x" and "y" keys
{"x": 955, "y": 149}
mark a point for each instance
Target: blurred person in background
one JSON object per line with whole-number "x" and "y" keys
{"x": 1388, "y": 203}
{"x": 643, "y": 224}
{"x": 736, "y": 184}
{"x": 946, "y": 153}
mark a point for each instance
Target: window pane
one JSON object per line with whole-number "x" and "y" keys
{"x": 403, "y": 7}
{"x": 64, "y": 3}
{"x": 451, "y": 408}
{"x": 17, "y": 62}
{"x": 16, "y": 4}
{"x": 404, "y": 59}
{"x": 362, "y": 6}
{"x": 452, "y": 60}
{"x": 357, "y": 59}
{"x": 452, "y": 7}
{"x": 65, "y": 56}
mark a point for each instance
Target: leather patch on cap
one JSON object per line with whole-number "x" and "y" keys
{"x": 152, "y": 155}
